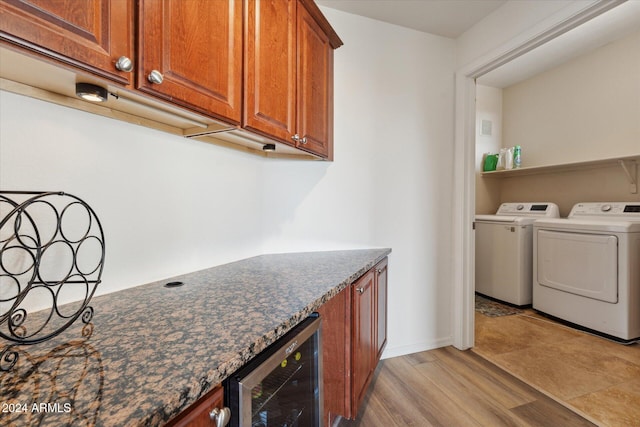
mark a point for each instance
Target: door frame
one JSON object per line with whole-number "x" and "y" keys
{"x": 463, "y": 204}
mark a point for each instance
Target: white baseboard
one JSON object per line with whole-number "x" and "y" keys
{"x": 416, "y": 348}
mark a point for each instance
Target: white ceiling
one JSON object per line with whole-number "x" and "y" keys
{"x": 612, "y": 25}
{"x": 451, "y": 18}
{"x": 448, "y": 18}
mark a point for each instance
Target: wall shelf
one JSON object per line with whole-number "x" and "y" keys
{"x": 562, "y": 167}
{"x": 629, "y": 165}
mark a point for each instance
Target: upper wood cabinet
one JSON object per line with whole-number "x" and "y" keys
{"x": 89, "y": 34}
{"x": 315, "y": 87}
{"x": 261, "y": 70}
{"x": 289, "y": 74}
{"x": 270, "y": 68}
{"x": 190, "y": 53}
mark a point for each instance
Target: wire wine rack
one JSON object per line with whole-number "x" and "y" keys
{"x": 51, "y": 260}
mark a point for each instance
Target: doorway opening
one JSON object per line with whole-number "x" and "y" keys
{"x": 568, "y": 26}
{"x": 479, "y": 132}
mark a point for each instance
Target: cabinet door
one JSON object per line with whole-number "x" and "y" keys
{"x": 90, "y": 34}
{"x": 270, "y": 68}
{"x": 381, "y": 303}
{"x": 196, "y": 46}
{"x": 336, "y": 356}
{"x": 198, "y": 414}
{"x": 315, "y": 87}
{"x": 363, "y": 339}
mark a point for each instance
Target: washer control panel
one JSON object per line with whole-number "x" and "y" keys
{"x": 542, "y": 209}
{"x": 606, "y": 209}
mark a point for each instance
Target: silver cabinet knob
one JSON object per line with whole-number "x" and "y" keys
{"x": 220, "y": 416}
{"x": 297, "y": 138}
{"x": 361, "y": 290}
{"x": 124, "y": 64}
{"x": 155, "y": 76}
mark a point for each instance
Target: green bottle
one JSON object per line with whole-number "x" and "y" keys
{"x": 517, "y": 156}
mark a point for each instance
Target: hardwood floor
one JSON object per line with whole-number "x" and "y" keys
{"x": 595, "y": 377}
{"x": 448, "y": 387}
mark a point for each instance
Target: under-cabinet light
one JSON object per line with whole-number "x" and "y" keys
{"x": 91, "y": 92}
{"x": 269, "y": 147}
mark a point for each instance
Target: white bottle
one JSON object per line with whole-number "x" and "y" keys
{"x": 508, "y": 158}
{"x": 501, "y": 159}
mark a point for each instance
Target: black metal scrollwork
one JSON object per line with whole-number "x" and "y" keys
{"x": 51, "y": 260}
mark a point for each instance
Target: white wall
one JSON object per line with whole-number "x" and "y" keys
{"x": 170, "y": 205}
{"x": 390, "y": 183}
{"x": 488, "y": 107}
{"x": 585, "y": 109}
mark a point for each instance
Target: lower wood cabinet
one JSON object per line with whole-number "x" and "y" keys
{"x": 200, "y": 413}
{"x": 364, "y": 350}
{"x": 381, "y": 302}
{"x": 336, "y": 356}
{"x": 354, "y": 334}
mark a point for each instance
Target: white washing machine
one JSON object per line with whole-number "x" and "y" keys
{"x": 504, "y": 248}
{"x": 587, "y": 268}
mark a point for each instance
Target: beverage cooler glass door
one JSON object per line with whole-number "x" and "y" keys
{"x": 282, "y": 387}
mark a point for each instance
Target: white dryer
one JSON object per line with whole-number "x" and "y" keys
{"x": 587, "y": 268}
{"x": 504, "y": 248}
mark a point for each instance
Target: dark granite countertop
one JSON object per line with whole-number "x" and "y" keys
{"x": 152, "y": 351}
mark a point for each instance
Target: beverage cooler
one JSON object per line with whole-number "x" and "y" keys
{"x": 282, "y": 386}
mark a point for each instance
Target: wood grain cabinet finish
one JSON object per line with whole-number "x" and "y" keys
{"x": 336, "y": 356}
{"x": 270, "y": 68}
{"x": 354, "y": 333}
{"x": 262, "y": 65}
{"x": 381, "y": 274}
{"x": 89, "y": 34}
{"x": 289, "y": 74}
{"x": 364, "y": 350}
{"x": 198, "y": 414}
{"x": 315, "y": 87}
{"x": 197, "y": 48}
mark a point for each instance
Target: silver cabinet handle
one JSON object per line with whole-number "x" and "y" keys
{"x": 361, "y": 290}
{"x": 220, "y": 416}
{"x": 155, "y": 77}
{"x": 297, "y": 138}
{"x": 124, "y": 64}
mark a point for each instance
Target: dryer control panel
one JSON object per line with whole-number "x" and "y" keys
{"x": 541, "y": 209}
{"x": 606, "y": 209}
